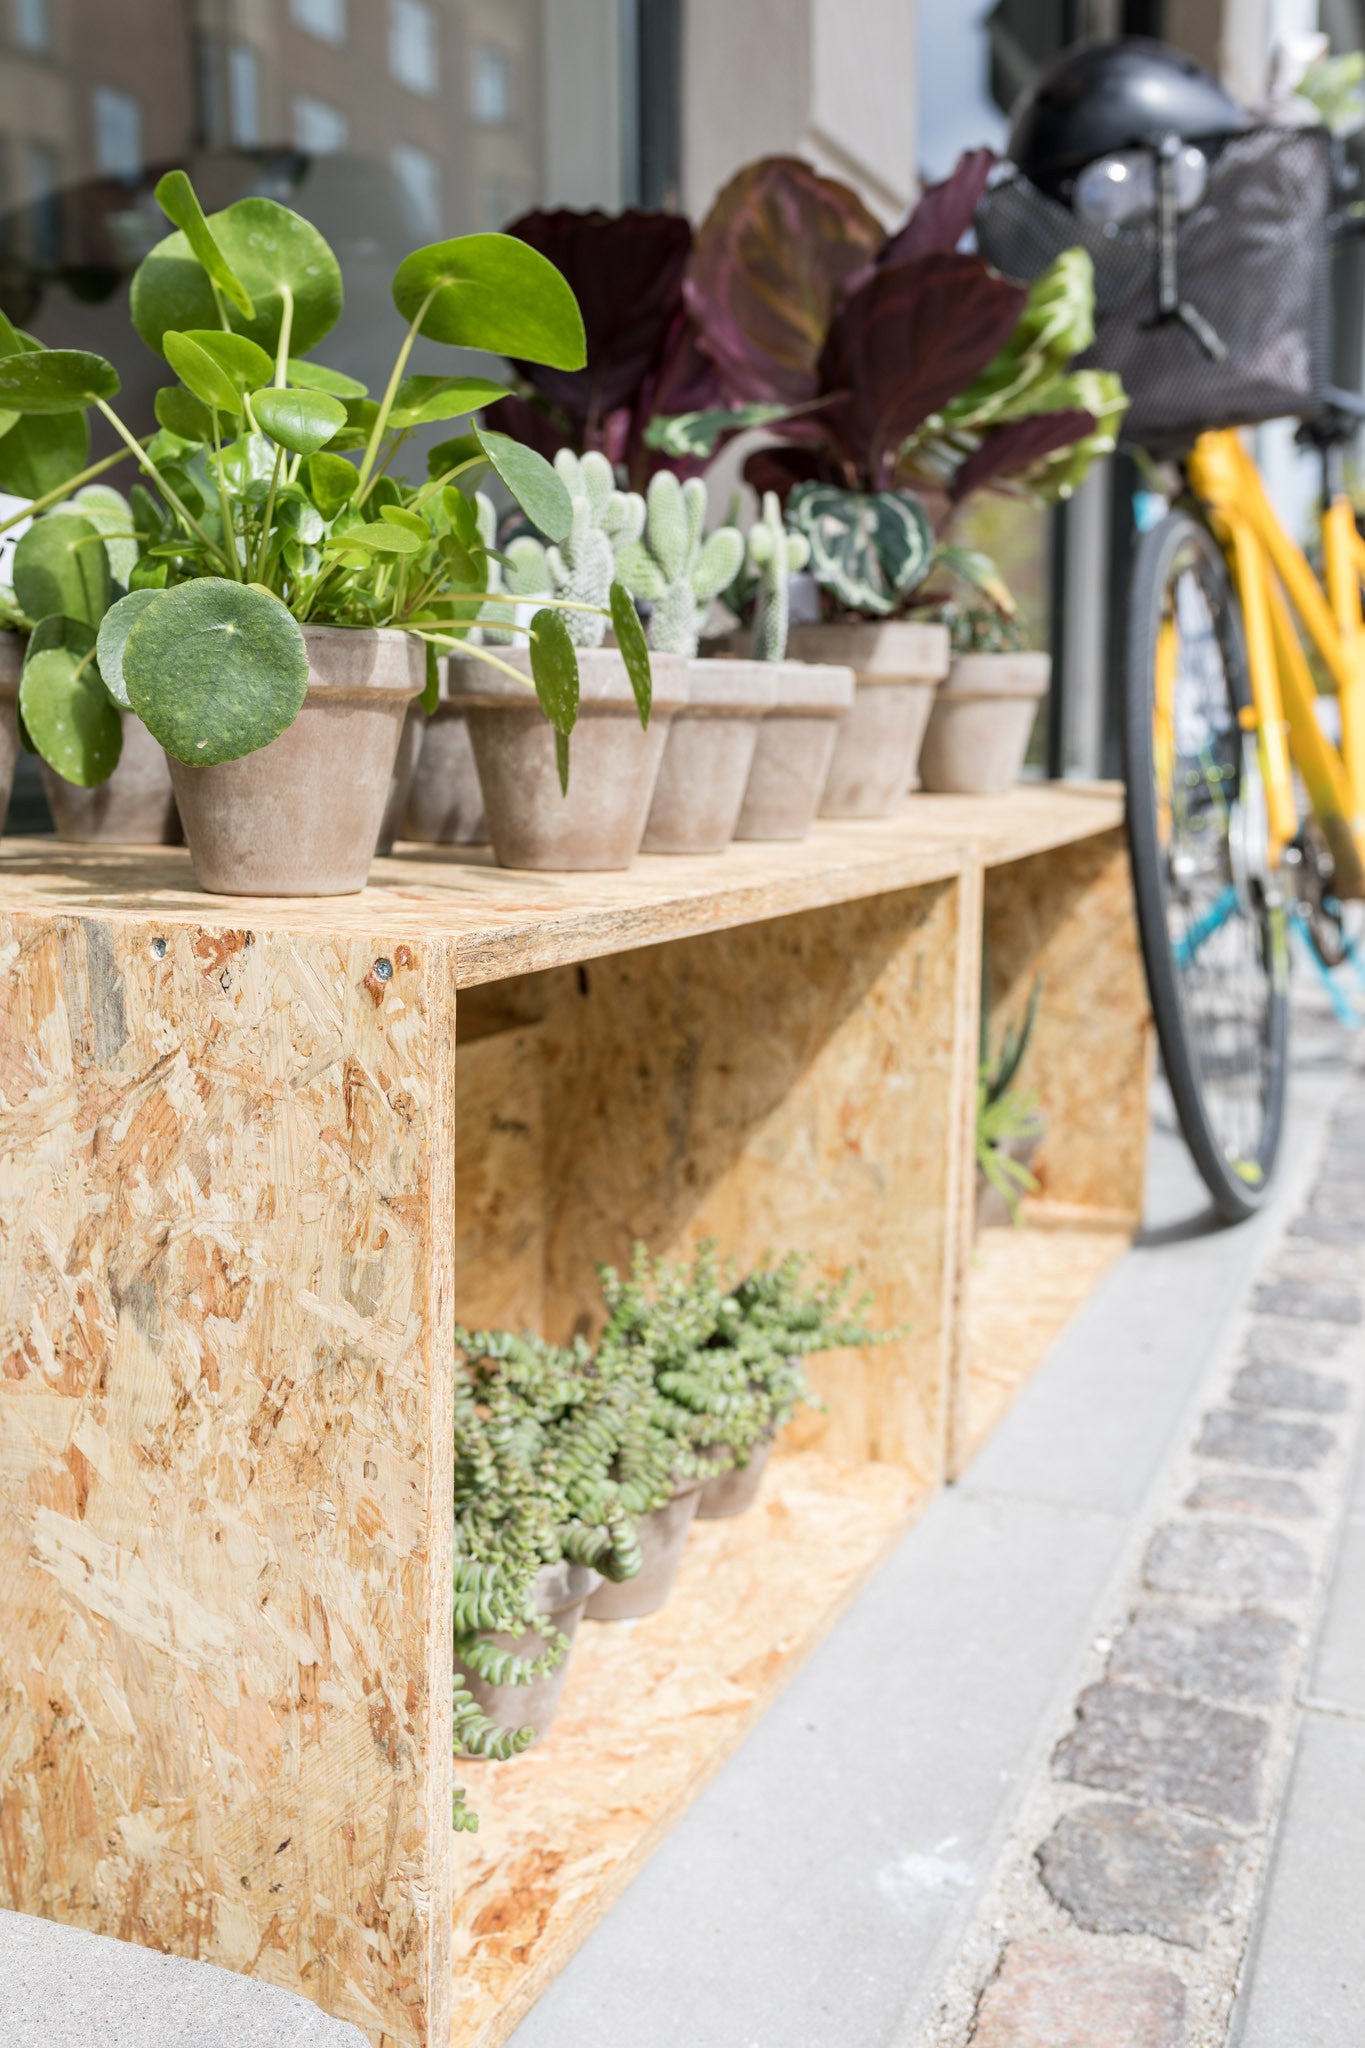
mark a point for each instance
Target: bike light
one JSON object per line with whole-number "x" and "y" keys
{"x": 1116, "y": 190}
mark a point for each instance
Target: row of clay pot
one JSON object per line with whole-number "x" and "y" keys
{"x": 565, "y": 1593}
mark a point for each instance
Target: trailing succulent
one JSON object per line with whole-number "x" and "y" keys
{"x": 675, "y": 566}
{"x": 724, "y": 1357}
{"x": 582, "y": 566}
{"x": 558, "y": 1451}
{"x": 1005, "y": 1113}
{"x": 268, "y": 498}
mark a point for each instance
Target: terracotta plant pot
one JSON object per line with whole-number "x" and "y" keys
{"x": 445, "y": 807}
{"x": 135, "y": 807}
{"x": 730, "y": 1493}
{"x": 561, "y": 1593}
{"x": 898, "y": 666}
{"x": 11, "y": 663}
{"x": 301, "y": 817}
{"x": 613, "y": 766}
{"x": 663, "y": 1538}
{"x": 979, "y": 729}
{"x": 400, "y": 782}
{"x": 710, "y": 751}
{"x": 795, "y": 746}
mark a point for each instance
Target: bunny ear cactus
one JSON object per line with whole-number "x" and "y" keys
{"x": 775, "y": 555}
{"x": 673, "y": 568}
{"x": 582, "y": 567}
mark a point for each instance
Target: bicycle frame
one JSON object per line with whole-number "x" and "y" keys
{"x": 1276, "y": 587}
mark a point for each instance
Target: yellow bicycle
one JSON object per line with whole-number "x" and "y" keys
{"x": 1246, "y": 803}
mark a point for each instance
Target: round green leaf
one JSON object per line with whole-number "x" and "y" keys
{"x": 240, "y": 358}
{"x": 40, "y": 453}
{"x": 111, "y": 514}
{"x": 422, "y": 400}
{"x": 272, "y": 251}
{"x": 215, "y": 669}
{"x": 301, "y": 421}
{"x": 180, "y": 413}
{"x": 554, "y": 669}
{"x": 492, "y": 292}
{"x": 55, "y": 380}
{"x": 196, "y": 368}
{"x": 630, "y": 638}
{"x": 317, "y": 377}
{"x": 117, "y": 623}
{"x": 331, "y": 482}
{"x": 382, "y": 537}
{"x": 535, "y": 484}
{"x": 61, "y": 565}
{"x": 70, "y": 717}
{"x": 176, "y": 197}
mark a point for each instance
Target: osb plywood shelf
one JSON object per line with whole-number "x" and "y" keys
{"x": 249, "y": 1183}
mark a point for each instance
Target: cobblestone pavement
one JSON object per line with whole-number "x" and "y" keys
{"x": 1120, "y": 1910}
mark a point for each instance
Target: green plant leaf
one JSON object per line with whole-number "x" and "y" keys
{"x": 492, "y": 292}
{"x": 176, "y": 197}
{"x": 200, "y": 373}
{"x": 630, "y": 638}
{"x": 70, "y": 717}
{"x": 180, "y": 413}
{"x": 61, "y": 565}
{"x": 242, "y": 359}
{"x": 431, "y": 692}
{"x": 448, "y": 455}
{"x": 422, "y": 400}
{"x": 117, "y": 623}
{"x": 301, "y": 421}
{"x": 411, "y": 522}
{"x": 39, "y": 454}
{"x": 111, "y": 514}
{"x": 554, "y": 669}
{"x": 537, "y": 487}
{"x": 331, "y": 482}
{"x": 55, "y": 380}
{"x": 215, "y": 669}
{"x": 869, "y": 549}
{"x": 700, "y": 433}
{"x": 272, "y": 251}
{"x": 380, "y": 537}
{"x": 317, "y": 377}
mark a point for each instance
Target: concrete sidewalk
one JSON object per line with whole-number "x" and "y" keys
{"x": 828, "y": 1886}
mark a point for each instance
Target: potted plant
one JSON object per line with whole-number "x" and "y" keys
{"x": 556, "y": 1453}
{"x": 865, "y": 356}
{"x": 272, "y": 637}
{"x": 536, "y": 818}
{"x": 1009, "y": 1125}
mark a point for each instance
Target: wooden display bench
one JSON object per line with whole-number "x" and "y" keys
{"x": 258, "y": 1158}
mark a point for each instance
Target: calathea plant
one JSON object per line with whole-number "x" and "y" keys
{"x": 675, "y": 566}
{"x": 252, "y": 518}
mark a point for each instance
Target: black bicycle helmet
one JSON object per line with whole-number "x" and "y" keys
{"x": 1104, "y": 97}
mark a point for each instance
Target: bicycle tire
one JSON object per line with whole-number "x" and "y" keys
{"x": 1213, "y": 763}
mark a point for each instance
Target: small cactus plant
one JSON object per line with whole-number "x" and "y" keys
{"x": 583, "y": 566}
{"x": 774, "y": 556}
{"x": 674, "y": 568}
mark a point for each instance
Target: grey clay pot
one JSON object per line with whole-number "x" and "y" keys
{"x": 445, "y": 807}
{"x": 301, "y": 817}
{"x": 561, "y": 1593}
{"x": 11, "y": 663}
{"x": 730, "y": 1493}
{"x": 613, "y": 763}
{"x": 663, "y": 1538}
{"x": 897, "y": 666}
{"x": 135, "y": 807}
{"x": 978, "y": 733}
{"x": 400, "y": 782}
{"x": 710, "y": 751}
{"x": 795, "y": 746}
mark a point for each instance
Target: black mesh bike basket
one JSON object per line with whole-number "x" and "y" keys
{"x": 1252, "y": 267}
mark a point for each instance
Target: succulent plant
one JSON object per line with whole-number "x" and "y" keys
{"x": 674, "y": 567}
{"x": 775, "y": 554}
{"x": 582, "y": 567}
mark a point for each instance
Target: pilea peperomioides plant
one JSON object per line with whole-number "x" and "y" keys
{"x": 268, "y": 499}
{"x": 676, "y": 567}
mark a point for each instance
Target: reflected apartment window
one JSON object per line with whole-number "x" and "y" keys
{"x": 325, "y": 19}
{"x": 31, "y": 25}
{"x": 490, "y": 86}
{"x": 418, "y": 176}
{"x": 42, "y": 190}
{"x": 319, "y": 129}
{"x": 118, "y": 133}
{"x": 413, "y": 58}
{"x": 244, "y": 96}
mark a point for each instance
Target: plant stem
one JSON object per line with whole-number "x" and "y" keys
{"x": 223, "y": 320}
{"x": 286, "y": 329}
{"x": 224, "y": 502}
{"x": 438, "y": 483}
{"x": 136, "y": 448}
{"x": 54, "y": 497}
{"x": 480, "y": 654}
{"x": 263, "y": 547}
{"x": 390, "y": 393}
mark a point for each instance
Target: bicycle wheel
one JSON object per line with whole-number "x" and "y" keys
{"x": 1212, "y": 923}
